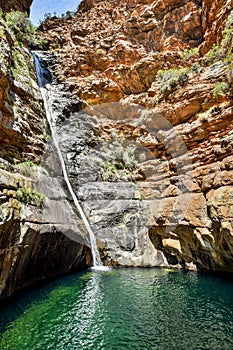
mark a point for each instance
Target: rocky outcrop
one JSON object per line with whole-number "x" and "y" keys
{"x": 117, "y": 47}
{"x": 152, "y": 161}
{"x": 9, "y": 5}
{"x": 213, "y": 16}
{"x": 40, "y": 235}
{"x": 22, "y": 119}
{"x": 142, "y": 37}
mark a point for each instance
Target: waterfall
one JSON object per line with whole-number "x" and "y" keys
{"x": 42, "y": 76}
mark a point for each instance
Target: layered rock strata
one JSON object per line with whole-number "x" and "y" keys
{"x": 40, "y": 235}
{"x": 159, "y": 56}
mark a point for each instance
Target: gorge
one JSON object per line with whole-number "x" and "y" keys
{"x": 141, "y": 93}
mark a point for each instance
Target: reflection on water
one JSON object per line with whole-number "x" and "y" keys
{"x": 122, "y": 309}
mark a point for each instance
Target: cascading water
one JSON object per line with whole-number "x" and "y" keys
{"x": 43, "y": 81}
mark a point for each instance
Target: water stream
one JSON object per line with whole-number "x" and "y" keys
{"x": 44, "y": 84}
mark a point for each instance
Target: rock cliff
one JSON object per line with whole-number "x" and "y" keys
{"x": 142, "y": 99}
{"x": 151, "y": 158}
{"x": 40, "y": 236}
{"x": 12, "y": 5}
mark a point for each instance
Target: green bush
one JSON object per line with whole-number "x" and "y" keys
{"x": 220, "y": 89}
{"x": 196, "y": 68}
{"x": 190, "y": 52}
{"x": 20, "y": 64}
{"x": 28, "y": 163}
{"x": 172, "y": 77}
{"x": 38, "y": 42}
{"x": 213, "y": 54}
{"x": 228, "y": 30}
{"x": 28, "y": 168}
{"x": 29, "y": 196}
{"x": 20, "y": 25}
{"x": 120, "y": 160}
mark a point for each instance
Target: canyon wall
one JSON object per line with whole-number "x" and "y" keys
{"x": 12, "y": 5}
{"x": 142, "y": 98}
{"x": 40, "y": 235}
{"x": 151, "y": 155}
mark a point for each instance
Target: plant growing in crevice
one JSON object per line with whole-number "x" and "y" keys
{"x": 119, "y": 162}
{"x": 27, "y": 168}
{"x": 196, "y": 68}
{"x": 224, "y": 49}
{"x": 190, "y": 52}
{"x": 20, "y": 64}
{"x": 38, "y": 42}
{"x": 213, "y": 54}
{"x": 220, "y": 89}
{"x": 170, "y": 78}
{"x": 30, "y": 196}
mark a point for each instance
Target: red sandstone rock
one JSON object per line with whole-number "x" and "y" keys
{"x": 113, "y": 50}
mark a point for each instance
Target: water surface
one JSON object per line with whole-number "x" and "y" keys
{"x": 122, "y": 309}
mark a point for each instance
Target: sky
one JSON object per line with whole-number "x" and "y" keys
{"x": 40, "y": 7}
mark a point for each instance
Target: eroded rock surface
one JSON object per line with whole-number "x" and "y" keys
{"x": 113, "y": 52}
{"x": 40, "y": 235}
{"x": 22, "y": 119}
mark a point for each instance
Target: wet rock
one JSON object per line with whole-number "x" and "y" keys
{"x": 40, "y": 235}
{"x": 153, "y": 181}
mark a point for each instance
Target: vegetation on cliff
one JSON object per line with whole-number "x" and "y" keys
{"x": 174, "y": 58}
{"x": 31, "y": 249}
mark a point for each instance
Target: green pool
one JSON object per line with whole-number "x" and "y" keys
{"x": 122, "y": 309}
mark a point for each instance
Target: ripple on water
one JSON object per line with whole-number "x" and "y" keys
{"x": 122, "y": 309}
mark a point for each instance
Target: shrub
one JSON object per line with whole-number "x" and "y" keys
{"x": 213, "y": 54}
{"x": 190, "y": 52}
{"x": 220, "y": 89}
{"x": 19, "y": 63}
{"x": 120, "y": 160}
{"x": 109, "y": 166}
{"x": 28, "y": 168}
{"x": 20, "y": 25}
{"x": 29, "y": 196}
{"x": 38, "y": 42}
{"x": 224, "y": 48}
{"x": 28, "y": 163}
{"x": 196, "y": 68}
{"x": 172, "y": 77}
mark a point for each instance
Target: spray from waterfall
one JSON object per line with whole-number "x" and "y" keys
{"x": 42, "y": 77}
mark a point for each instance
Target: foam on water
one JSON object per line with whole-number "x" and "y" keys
{"x": 100, "y": 268}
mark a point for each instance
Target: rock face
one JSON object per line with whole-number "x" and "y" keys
{"x": 10, "y": 5}
{"x": 40, "y": 235}
{"x": 149, "y": 154}
{"x": 22, "y": 119}
{"x": 214, "y": 14}
{"x": 152, "y": 160}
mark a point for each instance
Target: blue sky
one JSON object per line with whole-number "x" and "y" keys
{"x": 40, "y": 7}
